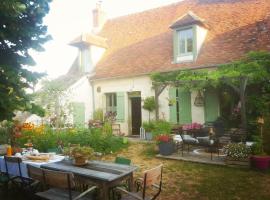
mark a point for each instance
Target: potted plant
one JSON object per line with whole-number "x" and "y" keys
{"x": 148, "y": 127}
{"x": 171, "y": 102}
{"x": 81, "y": 155}
{"x": 149, "y": 104}
{"x": 259, "y": 160}
{"x": 165, "y": 144}
{"x": 237, "y": 154}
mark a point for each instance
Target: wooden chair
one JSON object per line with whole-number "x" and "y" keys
{"x": 116, "y": 129}
{"x": 17, "y": 180}
{"x": 37, "y": 175}
{"x": 4, "y": 179}
{"x": 61, "y": 187}
{"x": 124, "y": 184}
{"x": 122, "y": 160}
{"x": 152, "y": 181}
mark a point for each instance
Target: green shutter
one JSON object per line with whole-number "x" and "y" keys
{"x": 120, "y": 106}
{"x": 185, "y": 106}
{"x": 172, "y": 95}
{"x": 211, "y": 105}
{"x": 78, "y": 113}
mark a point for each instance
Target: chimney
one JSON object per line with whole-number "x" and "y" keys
{"x": 99, "y": 17}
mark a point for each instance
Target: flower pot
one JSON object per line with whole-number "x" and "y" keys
{"x": 260, "y": 162}
{"x": 80, "y": 160}
{"x": 148, "y": 136}
{"x": 166, "y": 148}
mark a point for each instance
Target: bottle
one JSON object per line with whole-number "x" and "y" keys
{"x": 9, "y": 150}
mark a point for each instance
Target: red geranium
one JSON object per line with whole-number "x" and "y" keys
{"x": 163, "y": 138}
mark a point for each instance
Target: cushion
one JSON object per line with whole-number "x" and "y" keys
{"x": 205, "y": 140}
{"x": 189, "y": 139}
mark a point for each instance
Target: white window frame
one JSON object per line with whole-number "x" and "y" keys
{"x": 111, "y": 97}
{"x": 186, "y": 42}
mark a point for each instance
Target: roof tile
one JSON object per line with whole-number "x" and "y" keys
{"x": 142, "y": 43}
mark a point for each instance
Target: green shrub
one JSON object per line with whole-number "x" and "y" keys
{"x": 162, "y": 127}
{"x": 98, "y": 114}
{"x": 238, "y": 151}
{"x": 148, "y": 126}
{"x": 100, "y": 142}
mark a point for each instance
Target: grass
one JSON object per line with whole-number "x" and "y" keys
{"x": 185, "y": 180}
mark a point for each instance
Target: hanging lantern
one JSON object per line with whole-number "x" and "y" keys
{"x": 199, "y": 101}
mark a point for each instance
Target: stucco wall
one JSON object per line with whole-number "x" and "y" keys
{"x": 81, "y": 92}
{"x": 142, "y": 84}
{"x": 197, "y": 113}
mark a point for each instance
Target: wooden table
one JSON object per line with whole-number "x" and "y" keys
{"x": 104, "y": 174}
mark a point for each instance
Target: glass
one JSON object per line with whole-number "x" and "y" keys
{"x": 185, "y": 41}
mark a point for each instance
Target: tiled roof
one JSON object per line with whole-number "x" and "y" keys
{"x": 188, "y": 19}
{"x": 87, "y": 39}
{"x": 142, "y": 43}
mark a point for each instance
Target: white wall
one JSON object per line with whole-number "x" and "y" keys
{"x": 141, "y": 83}
{"x": 144, "y": 85}
{"x": 197, "y": 112}
{"x": 201, "y": 35}
{"x": 96, "y": 54}
{"x": 81, "y": 91}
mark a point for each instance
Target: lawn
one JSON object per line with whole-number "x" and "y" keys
{"x": 184, "y": 180}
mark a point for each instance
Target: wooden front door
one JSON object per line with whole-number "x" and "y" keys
{"x": 136, "y": 115}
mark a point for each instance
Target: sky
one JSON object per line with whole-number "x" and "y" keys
{"x": 68, "y": 19}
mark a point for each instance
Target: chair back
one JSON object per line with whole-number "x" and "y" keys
{"x": 122, "y": 160}
{"x": 12, "y": 159}
{"x": 153, "y": 178}
{"x": 64, "y": 180}
{"x": 35, "y": 173}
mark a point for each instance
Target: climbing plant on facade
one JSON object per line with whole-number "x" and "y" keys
{"x": 252, "y": 69}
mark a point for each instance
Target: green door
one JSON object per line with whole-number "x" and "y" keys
{"x": 211, "y": 105}
{"x": 78, "y": 113}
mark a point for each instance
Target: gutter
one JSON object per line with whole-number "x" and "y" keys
{"x": 164, "y": 71}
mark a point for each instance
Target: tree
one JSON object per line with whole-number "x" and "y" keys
{"x": 149, "y": 104}
{"x": 21, "y": 29}
{"x": 54, "y": 97}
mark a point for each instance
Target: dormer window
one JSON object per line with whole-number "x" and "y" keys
{"x": 185, "y": 38}
{"x": 189, "y": 32}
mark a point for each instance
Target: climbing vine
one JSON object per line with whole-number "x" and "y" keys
{"x": 252, "y": 69}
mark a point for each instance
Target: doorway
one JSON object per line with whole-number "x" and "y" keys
{"x": 136, "y": 115}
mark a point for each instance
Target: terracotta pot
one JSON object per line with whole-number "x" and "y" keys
{"x": 260, "y": 162}
{"x": 80, "y": 160}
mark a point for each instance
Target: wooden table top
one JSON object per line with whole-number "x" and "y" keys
{"x": 100, "y": 170}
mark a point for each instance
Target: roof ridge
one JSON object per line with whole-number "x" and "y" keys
{"x": 147, "y": 10}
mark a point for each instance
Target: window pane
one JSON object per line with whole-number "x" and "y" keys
{"x": 189, "y": 45}
{"x": 185, "y": 41}
{"x": 182, "y": 46}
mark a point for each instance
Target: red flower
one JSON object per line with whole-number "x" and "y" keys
{"x": 163, "y": 138}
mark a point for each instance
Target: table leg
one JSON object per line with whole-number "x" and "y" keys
{"x": 130, "y": 182}
{"x": 104, "y": 192}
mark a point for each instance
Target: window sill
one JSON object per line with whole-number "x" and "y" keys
{"x": 184, "y": 58}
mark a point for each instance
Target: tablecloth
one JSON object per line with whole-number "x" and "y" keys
{"x": 14, "y": 169}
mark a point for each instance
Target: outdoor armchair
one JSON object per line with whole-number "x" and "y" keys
{"x": 152, "y": 180}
